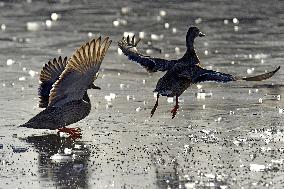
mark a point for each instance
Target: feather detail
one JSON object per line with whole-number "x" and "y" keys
{"x": 80, "y": 72}
{"x": 48, "y": 76}
{"x": 261, "y": 76}
{"x": 151, "y": 64}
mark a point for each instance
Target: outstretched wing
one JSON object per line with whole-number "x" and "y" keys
{"x": 151, "y": 64}
{"x": 210, "y": 75}
{"x": 79, "y": 73}
{"x": 48, "y": 76}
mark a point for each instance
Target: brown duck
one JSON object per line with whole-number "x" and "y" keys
{"x": 180, "y": 73}
{"x": 64, "y": 85}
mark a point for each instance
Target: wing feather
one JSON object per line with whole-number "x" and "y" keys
{"x": 210, "y": 75}
{"x": 151, "y": 64}
{"x": 79, "y": 73}
{"x": 48, "y": 76}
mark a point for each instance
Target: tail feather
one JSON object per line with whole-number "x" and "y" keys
{"x": 261, "y": 76}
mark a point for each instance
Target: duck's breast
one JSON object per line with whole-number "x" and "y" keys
{"x": 171, "y": 85}
{"x": 75, "y": 111}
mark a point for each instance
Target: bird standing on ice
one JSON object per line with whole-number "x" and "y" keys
{"x": 64, "y": 85}
{"x": 181, "y": 73}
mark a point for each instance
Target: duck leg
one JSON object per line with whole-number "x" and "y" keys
{"x": 155, "y": 106}
{"x": 73, "y": 132}
{"x": 174, "y": 110}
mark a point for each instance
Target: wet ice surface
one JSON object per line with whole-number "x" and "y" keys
{"x": 224, "y": 136}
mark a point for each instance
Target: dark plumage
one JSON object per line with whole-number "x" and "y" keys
{"x": 181, "y": 73}
{"x": 64, "y": 85}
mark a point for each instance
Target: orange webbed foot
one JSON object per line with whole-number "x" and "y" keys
{"x": 74, "y": 133}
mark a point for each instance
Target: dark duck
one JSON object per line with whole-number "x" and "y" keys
{"x": 64, "y": 85}
{"x": 180, "y": 73}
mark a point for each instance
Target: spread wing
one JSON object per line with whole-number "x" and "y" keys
{"x": 151, "y": 64}
{"x": 48, "y": 76}
{"x": 210, "y": 75}
{"x": 79, "y": 73}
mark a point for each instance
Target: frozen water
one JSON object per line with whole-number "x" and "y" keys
{"x": 122, "y": 148}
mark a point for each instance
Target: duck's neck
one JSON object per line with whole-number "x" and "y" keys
{"x": 86, "y": 98}
{"x": 189, "y": 44}
{"x": 190, "y": 51}
{"x": 190, "y": 55}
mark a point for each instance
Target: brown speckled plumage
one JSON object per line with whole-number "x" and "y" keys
{"x": 68, "y": 100}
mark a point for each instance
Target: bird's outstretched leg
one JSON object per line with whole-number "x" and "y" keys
{"x": 155, "y": 106}
{"x": 174, "y": 110}
{"x": 73, "y": 132}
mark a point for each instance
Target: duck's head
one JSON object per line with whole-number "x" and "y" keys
{"x": 192, "y": 33}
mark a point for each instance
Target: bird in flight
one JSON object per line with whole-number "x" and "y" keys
{"x": 64, "y": 85}
{"x": 180, "y": 73}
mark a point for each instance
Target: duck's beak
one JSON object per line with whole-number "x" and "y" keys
{"x": 201, "y": 34}
{"x": 93, "y": 86}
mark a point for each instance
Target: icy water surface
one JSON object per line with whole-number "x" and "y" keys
{"x": 231, "y": 136}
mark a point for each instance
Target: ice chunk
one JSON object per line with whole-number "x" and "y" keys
{"x": 3, "y": 27}
{"x": 33, "y": 26}
{"x": 203, "y": 95}
{"x": 119, "y": 51}
{"x": 54, "y": 16}
{"x": 156, "y": 36}
{"x": 167, "y": 25}
{"x": 257, "y": 167}
{"x": 130, "y": 34}
{"x": 130, "y": 97}
{"x": 22, "y": 78}
{"x": 125, "y": 10}
{"x": 199, "y": 86}
{"x": 177, "y": 50}
{"x": 163, "y": 13}
{"x": 10, "y": 62}
{"x": 115, "y": 23}
{"x": 32, "y": 73}
{"x": 48, "y": 23}
{"x": 112, "y": 96}
{"x": 235, "y": 21}
{"x": 67, "y": 151}
{"x": 219, "y": 119}
{"x": 142, "y": 35}
{"x": 198, "y": 20}
{"x": 60, "y": 158}
{"x": 90, "y": 34}
{"x": 149, "y": 51}
{"x": 170, "y": 99}
{"x": 108, "y": 98}
{"x": 236, "y": 28}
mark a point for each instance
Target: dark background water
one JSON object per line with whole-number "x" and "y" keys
{"x": 228, "y": 140}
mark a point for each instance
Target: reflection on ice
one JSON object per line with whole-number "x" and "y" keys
{"x": 60, "y": 161}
